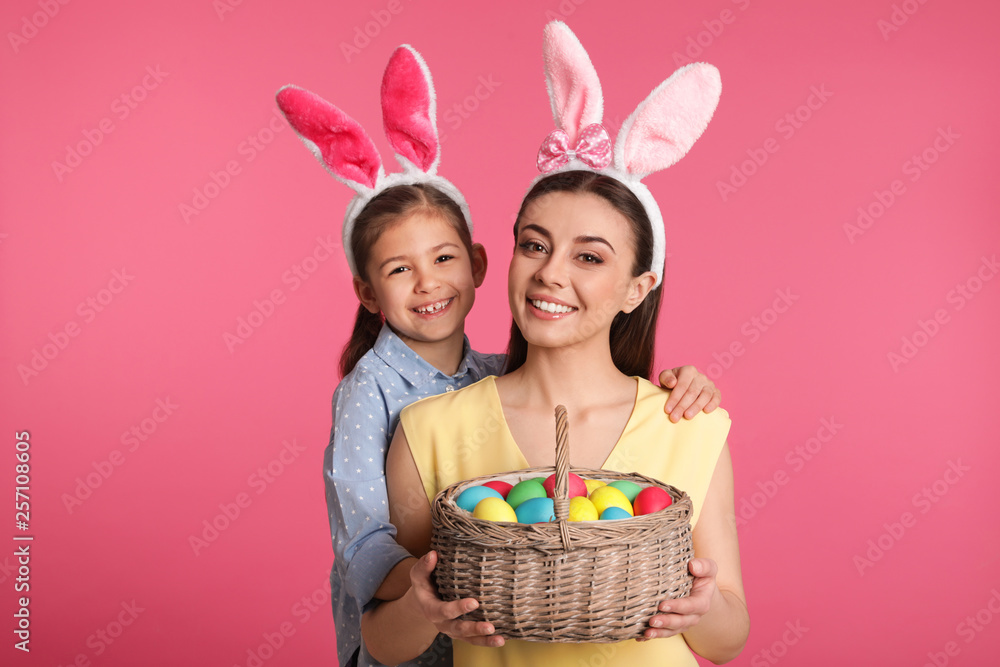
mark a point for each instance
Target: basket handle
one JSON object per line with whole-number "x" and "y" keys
{"x": 561, "y": 495}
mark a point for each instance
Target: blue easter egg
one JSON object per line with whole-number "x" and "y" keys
{"x": 615, "y": 513}
{"x": 469, "y": 498}
{"x": 536, "y": 510}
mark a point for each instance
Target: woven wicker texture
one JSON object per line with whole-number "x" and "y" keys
{"x": 596, "y": 581}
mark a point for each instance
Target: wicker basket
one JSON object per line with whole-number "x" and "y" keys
{"x": 597, "y": 581}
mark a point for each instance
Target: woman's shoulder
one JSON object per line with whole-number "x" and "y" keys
{"x": 651, "y": 398}
{"x": 477, "y": 393}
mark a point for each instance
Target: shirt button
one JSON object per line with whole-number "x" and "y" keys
{"x": 449, "y": 388}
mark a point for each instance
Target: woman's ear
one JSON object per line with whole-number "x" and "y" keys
{"x": 638, "y": 289}
{"x": 479, "y": 263}
{"x": 366, "y": 295}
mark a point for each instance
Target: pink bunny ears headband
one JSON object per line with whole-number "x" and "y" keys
{"x": 409, "y": 114}
{"x": 659, "y": 132}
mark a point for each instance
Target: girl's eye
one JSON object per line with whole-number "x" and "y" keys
{"x": 444, "y": 258}
{"x": 531, "y": 246}
{"x": 398, "y": 269}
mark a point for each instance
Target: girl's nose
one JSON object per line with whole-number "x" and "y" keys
{"x": 427, "y": 281}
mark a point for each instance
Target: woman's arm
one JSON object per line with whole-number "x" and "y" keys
{"x": 402, "y": 629}
{"x": 397, "y": 582}
{"x": 713, "y": 618}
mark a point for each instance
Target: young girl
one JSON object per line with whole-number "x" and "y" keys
{"x": 416, "y": 269}
{"x": 584, "y": 295}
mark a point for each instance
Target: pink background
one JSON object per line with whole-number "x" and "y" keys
{"x": 839, "y": 541}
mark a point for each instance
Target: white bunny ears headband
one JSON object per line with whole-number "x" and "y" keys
{"x": 659, "y": 132}
{"x": 409, "y": 114}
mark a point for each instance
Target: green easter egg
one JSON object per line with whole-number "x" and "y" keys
{"x": 630, "y": 489}
{"x": 529, "y": 488}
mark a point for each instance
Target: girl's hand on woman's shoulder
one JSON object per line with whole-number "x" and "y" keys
{"x": 425, "y": 601}
{"x": 691, "y": 392}
{"x": 682, "y": 614}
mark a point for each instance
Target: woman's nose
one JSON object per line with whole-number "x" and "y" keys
{"x": 552, "y": 272}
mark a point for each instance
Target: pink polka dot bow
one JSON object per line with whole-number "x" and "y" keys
{"x": 593, "y": 149}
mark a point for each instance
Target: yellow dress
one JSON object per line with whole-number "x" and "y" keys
{"x": 459, "y": 435}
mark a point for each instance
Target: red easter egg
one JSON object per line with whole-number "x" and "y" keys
{"x": 577, "y": 487}
{"x": 651, "y": 499}
{"x": 503, "y": 488}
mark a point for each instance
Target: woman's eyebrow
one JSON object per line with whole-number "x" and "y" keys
{"x": 595, "y": 239}
{"x": 579, "y": 239}
{"x": 537, "y": 228}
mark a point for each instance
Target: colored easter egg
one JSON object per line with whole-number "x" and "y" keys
{"x": 608, "y": 496}
{"x": 577, "y": 487}
{"x": 614, "y": 513}
{"x": 630, "y": 489}
{"x": 536, "y": 510}
{"x": 581, "y": 509}
{"x": 522, "y": 491}
{"x": 494, "y": 509}
{"x": 651, "y": 499}
{"x": 593, "y": 484}
{"x": 503, "y": 488}
{"x": 469, "y": 498}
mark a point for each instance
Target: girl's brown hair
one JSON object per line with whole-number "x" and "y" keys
{"x": 380, "y": 214}
{"x": 633, "y": 335}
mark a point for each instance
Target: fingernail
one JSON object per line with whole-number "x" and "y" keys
{"x": 665, "y": 607}
{"x": 656, "y": 623}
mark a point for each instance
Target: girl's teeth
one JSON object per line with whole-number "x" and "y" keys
{"x": 550, "y": 307}
{"x": 433, "y": 308}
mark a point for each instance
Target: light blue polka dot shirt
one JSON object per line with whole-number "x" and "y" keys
{"x": 366, "y": 407}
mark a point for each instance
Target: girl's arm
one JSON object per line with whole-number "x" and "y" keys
{"x": 402, "y": 629}
{"x": 691, "y": 392}
{"x": 354, "y": 474}
{"x": 713, "y": 618}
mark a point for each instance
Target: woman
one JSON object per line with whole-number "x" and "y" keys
{"x": 584, "y": 291}
{"x": 584, "y": 301}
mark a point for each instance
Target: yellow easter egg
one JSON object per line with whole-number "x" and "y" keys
{"x": 608, "y": 496}
{"x": 581, "y": 509}
{"x": 593, "y": 484}
{"x": 494, "y": 509}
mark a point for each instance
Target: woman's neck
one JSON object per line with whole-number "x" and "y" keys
{"x": 578, "y": 376}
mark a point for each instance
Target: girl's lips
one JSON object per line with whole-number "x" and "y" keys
{"x": 434, "y": 308}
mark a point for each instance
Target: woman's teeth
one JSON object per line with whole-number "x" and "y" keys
{"x": 551, "y": 307}
{"x": 432, "y": 308}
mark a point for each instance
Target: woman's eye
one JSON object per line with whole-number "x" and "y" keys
{"x": 532, "y": 246}
{"x": 591, "y": 258}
